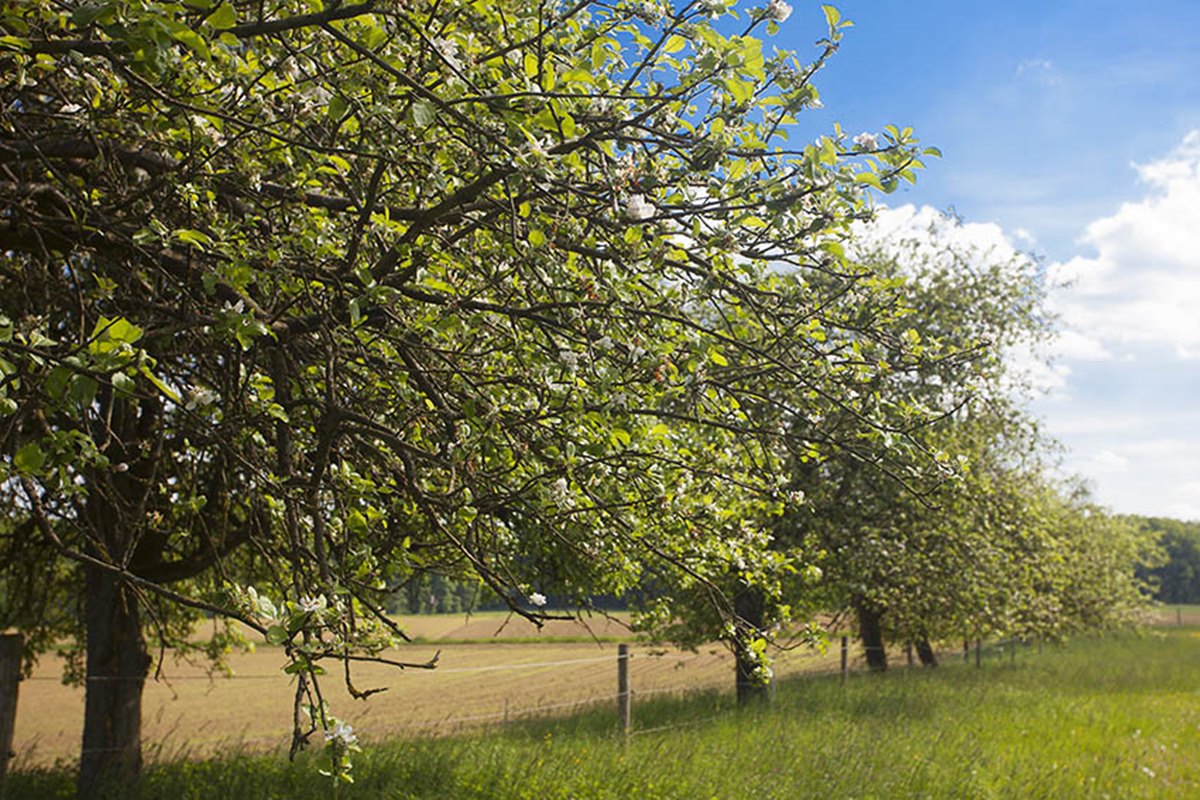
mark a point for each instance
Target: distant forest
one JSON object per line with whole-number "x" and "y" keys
{"x": 1178, "y": 579}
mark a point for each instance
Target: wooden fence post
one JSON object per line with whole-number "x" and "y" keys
{"x": 845, "y": 658}
{"x": 10, "y": 675}
{"x": 908, "y": 652}
{"x": 624, "y": 706}
{"x": 967, "y": 650}
{"x": 978, "y": 652}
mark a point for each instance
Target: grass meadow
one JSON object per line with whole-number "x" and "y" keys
{"x": 1113, "y": 717}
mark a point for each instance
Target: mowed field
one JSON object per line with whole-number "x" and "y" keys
{"x": 491, "y": 668}
{"x": 1102, "y": 717}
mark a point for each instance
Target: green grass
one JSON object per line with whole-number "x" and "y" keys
{"x": 1116, "y": 717}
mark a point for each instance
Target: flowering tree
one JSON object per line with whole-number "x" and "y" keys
{"x": 969, "y": 534}
{"x": 297, "y": 299}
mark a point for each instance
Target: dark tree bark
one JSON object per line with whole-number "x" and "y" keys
{"x": 870, "y": 631}
{"x": 926, "y": 653}
{"x": 748, "y": 606}
{"x": 117, "y": 665}
{"x": 117, "y": 658}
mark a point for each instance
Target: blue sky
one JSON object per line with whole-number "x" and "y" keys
{"x": 1071, "y": 130}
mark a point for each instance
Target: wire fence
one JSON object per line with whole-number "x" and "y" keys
{"x": 585, "y": 681}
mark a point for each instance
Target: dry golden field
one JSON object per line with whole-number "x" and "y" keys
{"x": 476, "y": 683}
{"x": 491, "y": 667}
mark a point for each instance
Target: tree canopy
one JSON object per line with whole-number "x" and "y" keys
{"x": 297, "y": 299}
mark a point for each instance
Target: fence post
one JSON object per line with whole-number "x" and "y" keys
{"x": 978, "y": 652}
{"x": 967, "y": 650}
{"x": 10, "y": 675}
{"x": 908, "y": 652}
{"x": 845, "y": 658}
{"x": 624, "y": 706}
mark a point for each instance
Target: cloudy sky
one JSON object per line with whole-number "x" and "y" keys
{"x": 1071, "y": 129}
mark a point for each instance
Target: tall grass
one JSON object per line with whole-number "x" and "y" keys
{"x": 1116, "y": 717}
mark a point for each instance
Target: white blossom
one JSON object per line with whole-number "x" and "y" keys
{"x": 778, "y": 10}
{"x": 637, "y": 208}
{"x": 536, "y": 147}
{"x": 448, "y": 50}
{"x": 651, "y": 10}
{"x": 713, "y": 7}
{"x": 561, "y": 489}
{"x": 199, "y": 398}
{"x": 342, "y": 734}
{"x": 537, "y": 599}
{"x": 604, "y": 343}
{"x": 310, "y": 604}
{"x": 319, "y": 95}
{"x": 867, "y": 141}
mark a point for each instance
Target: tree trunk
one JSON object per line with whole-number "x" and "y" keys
{"x": 748, "y": 606}
{"x": 871, "y": 633}
{"x": 117, "y": 665}
{"x": 926, "y": 653}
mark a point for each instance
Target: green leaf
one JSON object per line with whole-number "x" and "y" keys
{"x": 337, "y": 107}
{"x": 424, "y": 113}
{"x": 122, "y": 330}
{"x": 83, "y": 390}
{"x": 158, "y": 384}
{"x": 123, "y": 383}
{"x": 185, "y": 35}
{"x": 198, "y": 239}
{"x": 29, "y": 459}
{"x": 715, "y": 356}
{"x": 577, "y": 75}
{"x": 832, "y": 15}
{"x": 871, "y": 179}
{"x": 85, "y": 15}
{"x": 224, "y": 17}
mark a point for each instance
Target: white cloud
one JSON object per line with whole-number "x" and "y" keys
{"x": 1107, "y": 461}
{"x": 1038, "y": 70}
{"x": 1187, "y": 504}
{"x": 1120, "y": 375}
{"x": 926, "y": 233}
{"x": 1073, "y": 345}
{"x": 1039, "y": 371}
{"x": 931, "y": 228}
{"x": 1142, "y": 284}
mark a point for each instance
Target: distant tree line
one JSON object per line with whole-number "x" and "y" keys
{"x": 1177, "y": 578}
